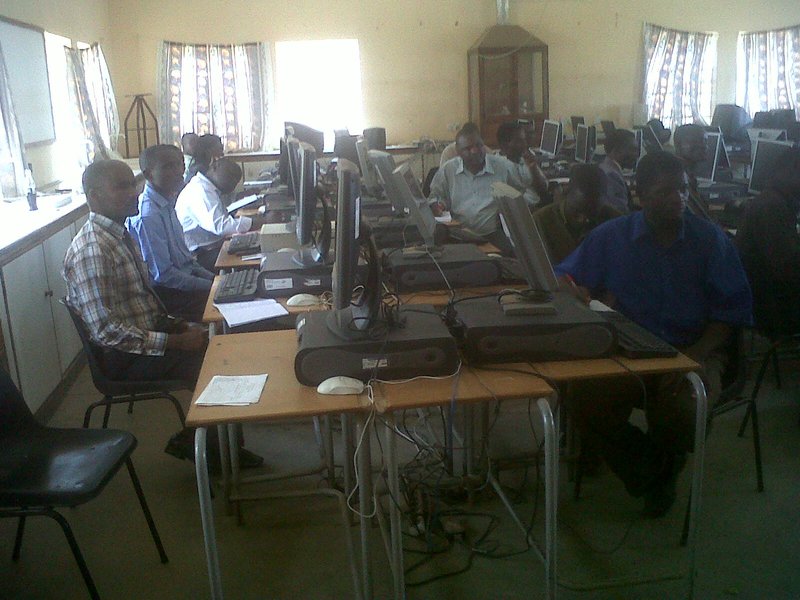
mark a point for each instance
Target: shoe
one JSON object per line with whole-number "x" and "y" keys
{"x": 181, "y": 446}
{"x": 249, "y": 460}
{"x": 660, "y": 498}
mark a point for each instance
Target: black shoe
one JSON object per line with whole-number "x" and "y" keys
{"x": 181, "y": 446}
{"x": 249, "y": 460}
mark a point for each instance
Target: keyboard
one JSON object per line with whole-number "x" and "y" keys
{"x": 246, "y": 243}
{"x": 238, "y": 286}
{"x": 635, "y": 341}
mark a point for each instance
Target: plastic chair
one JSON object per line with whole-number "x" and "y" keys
{"x": 42, "y": 468}
{"x": 117, "y": 391}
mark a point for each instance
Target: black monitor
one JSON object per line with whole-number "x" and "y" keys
{"x": 575, "y": 121}
{"x": 765, "y": 155}
{"x": 283, "y": 163}
{"x": 345, "y": 147}
{"x": 312, "y": 251}
{"x": 352, "y": 318}
{"x": 520, "y": 228}
{"x": 418, "y": 209}
{"x": 706, "y": 170}
{"x": 732, "y": 121}
{"x": 306, "y": 134}
{"x": 376, "y": 137}
{"x": 585, "y": 143}
{"x": 608, "y": 127}
{"x": 293, "y": 167}
{"x": 551, "y": 137}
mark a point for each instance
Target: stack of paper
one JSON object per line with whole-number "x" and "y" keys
{"x": 240, "y": 313}
{"x": 232, "y": 390}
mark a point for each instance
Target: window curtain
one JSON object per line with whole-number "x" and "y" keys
{"x": 92, "y": 97}
{"x": 12, "y": 165}
{"x": 679, "y": 75}
{"x": 220, "y": 89}
{"x": 768, "y": 70}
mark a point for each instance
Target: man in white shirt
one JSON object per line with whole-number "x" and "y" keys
{"x": 203, "y": 215}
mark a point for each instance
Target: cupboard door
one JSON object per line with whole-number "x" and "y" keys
{"x": 67, "y": 340}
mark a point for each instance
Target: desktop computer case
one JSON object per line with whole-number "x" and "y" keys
{"x": 488, "y": 335}
{"x": 420, "y": 345}
{"x": 464, "y": 265}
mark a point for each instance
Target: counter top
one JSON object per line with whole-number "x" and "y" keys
{"x": 22, "y": 229}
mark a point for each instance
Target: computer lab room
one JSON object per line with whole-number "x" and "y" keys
{"x": 445, "y": 299}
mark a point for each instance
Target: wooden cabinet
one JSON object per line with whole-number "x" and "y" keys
{"x": 508, "y": 79}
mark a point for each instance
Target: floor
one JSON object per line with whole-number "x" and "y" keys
{"x": 749, "y": 544}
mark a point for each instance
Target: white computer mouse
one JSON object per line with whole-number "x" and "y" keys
{"x": 302, "y": 300}
{"x": 286, "y": 250}
{"x": 341, "y": 385}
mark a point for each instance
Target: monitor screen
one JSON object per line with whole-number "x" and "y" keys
{"x": 369, "y": 179}
{"x": 551, "y": 133}
{"x": 575, "y": 121}
{"x": 293, "y": 168}
{"x": 306, "y": 134}
{"x": 418, "y": 209}
{"x": 706, "y": 170}
{"x": 764, "y": 156}
{"x": 608, "y": 127}
{"x": 772, "y": 135}
{"x": 521, "y": 230}
{"x": 583, "y": 144}
{"x": 384, "y": 165}
{"x": 311, "y": 251}
{"x": 348, "y": 217}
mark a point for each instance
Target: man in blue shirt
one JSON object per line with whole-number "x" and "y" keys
{"x": 178, "y": 280}
{"x": 680, "y": 277}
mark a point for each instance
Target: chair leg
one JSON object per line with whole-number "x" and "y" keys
{"x": 76, "y": 552}
{"x": 106, "y": 415}
{"x": 150, "y": 523}
{"x": 756, "y": 387}
{"x": 130, "y": 407}
{"x": 87, "y": 416}
{"x": 177, "y": 406}
{"x": 18, "y": 539}
{"x": 757, "y": 444}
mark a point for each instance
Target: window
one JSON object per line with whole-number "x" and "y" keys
{"x": 11, "y": 165}
{"x": 768, "y": 70}
{"x": 220, "y": 89}
{"x": 679, "y": 75}
{"x": 318, "y": 83}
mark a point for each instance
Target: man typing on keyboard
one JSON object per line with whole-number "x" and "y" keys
{"x": 679, "y": 277}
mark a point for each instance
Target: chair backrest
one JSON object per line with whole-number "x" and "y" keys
{"x": 14, "y": 412}
{"x": 92, "y": 351}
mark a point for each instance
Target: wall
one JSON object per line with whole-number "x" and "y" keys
{"x": 84, "y": 20}
{"x": 413, "y": 52}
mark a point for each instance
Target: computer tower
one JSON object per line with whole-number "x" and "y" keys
{"x": 418, "y": 344}
{"x": 452, "y": 265}
{"x": 573, "y": 331}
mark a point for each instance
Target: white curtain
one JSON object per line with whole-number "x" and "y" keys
{"x": 12, "y": 164}
{"x": 768, "y": 70}
{"x": 221, "y": 89}
{"x": 679, "y": 75}
{"x": 92, "y": 96}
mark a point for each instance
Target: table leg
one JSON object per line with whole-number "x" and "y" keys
{"x": 207, "y": 513}
{"x": 396, "y": 558}
{"x": 550, "y": 495}
{"x": 225, "y": 464}
{"x": 699, "y": 392}
{"x": 349, "y": 453}
{"x": 364, "y": 475}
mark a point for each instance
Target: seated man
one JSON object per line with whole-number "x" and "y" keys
{"x": 564, "y": 223}
{"x": 207, "y": 149}
{"x": 621, "y": 153}
{"x": 178, "y": 280}
{"x": 464, "y": 187}
{"x": 690, "y": 147}
{"x": 203, "y": 216}
{"x": 513, "y": 145}
{"x": 679, "y": 277}
{"x": 108, "y": 285}
{"x": 769, "y": 245}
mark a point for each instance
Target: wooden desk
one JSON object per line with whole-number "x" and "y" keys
{"x": 232, "y": 261}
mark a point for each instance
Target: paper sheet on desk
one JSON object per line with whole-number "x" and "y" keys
{"x": 246, "y": 257}
{"x": 232, "y": 390}
{"x": 241, "y": 313}
{"x": 445, "y": 217}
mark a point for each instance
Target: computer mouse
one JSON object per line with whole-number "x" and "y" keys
{"x": 286, "y": 250}
{"x": 494, "y": 255}
{"x": 341, "y": 385}
{"x": 303, "y": 300}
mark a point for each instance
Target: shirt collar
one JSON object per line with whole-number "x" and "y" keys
{"x": 641, "y": 229}
{"x": 109, "y": 225}
{"x": 154, "y": 196}
{"x": 487, "y": 167}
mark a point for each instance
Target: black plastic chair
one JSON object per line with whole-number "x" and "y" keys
{"x": 42, "y": 468}
{"x": 117, "y": 391}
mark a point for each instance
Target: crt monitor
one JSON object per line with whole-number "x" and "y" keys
{"x": 764, "y": 156}
{"x": 306, "y": 134}
{"x": 584, "y": 143}
{"x": 520, "y": 228}
{"x": 369, "y": 179}
{"x": 575, "y": 121}
{"x": 312, "y": 251}
{"x": 384, "y": 166}
{"x": 732, "y": 121}
{"x": 608, "y": 127}
{"x": 418, "y": 209}
{"x": 706, "y": 171}
{"x": 551, "y": 136}
{"x": 353, "y": 317}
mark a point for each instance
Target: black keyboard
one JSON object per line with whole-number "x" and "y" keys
{"x": 237, "y": 286}
{"x": 635, "y": 341}
{"x": 246, "y": 243}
